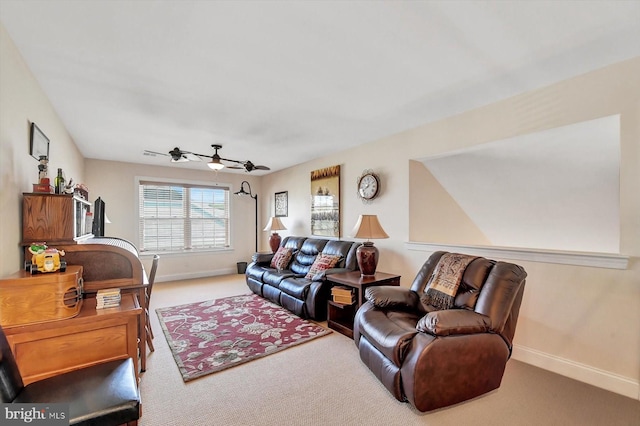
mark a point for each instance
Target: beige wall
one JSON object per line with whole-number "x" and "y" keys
{"x": 434, "y": 216}
{"x": 22, "y": 101}
{"x": 114, "y": 182}
{"x": 580, "y": 321}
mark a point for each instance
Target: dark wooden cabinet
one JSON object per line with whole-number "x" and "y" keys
{"x": 53, "y": 218}
{"x": 340, "y": 316}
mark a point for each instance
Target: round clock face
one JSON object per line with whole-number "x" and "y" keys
{"x": 368, "y": 186}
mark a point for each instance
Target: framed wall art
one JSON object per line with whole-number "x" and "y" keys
{"x": 325, "y": 202}
{"x": 282, "y": 204}
{"x": 39, "y": 143}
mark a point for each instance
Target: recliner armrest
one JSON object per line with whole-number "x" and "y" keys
{"x": 392, "y": 297}
{"x": 453, "y": 321}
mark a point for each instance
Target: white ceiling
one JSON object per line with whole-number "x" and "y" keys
{"x": 282, "y": 82}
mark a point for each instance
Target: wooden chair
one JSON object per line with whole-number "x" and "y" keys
{"x": 152, "y": 278}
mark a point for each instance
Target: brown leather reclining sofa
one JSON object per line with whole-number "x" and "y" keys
{"x": 288, "y": 286}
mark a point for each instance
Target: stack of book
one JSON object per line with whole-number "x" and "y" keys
{"x": 108, "y": 298}
{"x": 343, "y": 295}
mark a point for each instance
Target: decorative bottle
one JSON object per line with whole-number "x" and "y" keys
{"x": 59, "y": 182}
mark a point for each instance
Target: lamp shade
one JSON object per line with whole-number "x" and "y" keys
{"x": 368, "y": 227}
{"x": 367, "y": 254}
{"x": 274, "y": 224}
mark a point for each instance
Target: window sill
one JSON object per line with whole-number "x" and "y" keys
{"x": 187, "y": 252}
{"x": 596, "y": 260}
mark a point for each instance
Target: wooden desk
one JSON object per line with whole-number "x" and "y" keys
{"x": 112, "y": 262}
{"x": 94, "y": 336}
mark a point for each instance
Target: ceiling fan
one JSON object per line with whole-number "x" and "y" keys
{"x": 177, "y": 156}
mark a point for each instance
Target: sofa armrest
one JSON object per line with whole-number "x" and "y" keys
{"x": 262, "y": 258}
{"x": 392, "y": 297}
{"x": 453, "y": 321}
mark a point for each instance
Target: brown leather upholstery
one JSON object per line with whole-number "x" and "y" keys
{"x": 435, "y": 358}
{"x": 289, "y": 287}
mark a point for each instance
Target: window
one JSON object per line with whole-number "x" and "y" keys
{"x": 180, "y": 216}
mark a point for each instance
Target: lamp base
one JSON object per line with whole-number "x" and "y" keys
{"x": 367, "y": 256}
{"x": 274, "y": 242}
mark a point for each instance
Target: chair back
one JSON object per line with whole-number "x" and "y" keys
{"x": 10, "y": 380}
{"x": 488, "y": 287}
{"x": 152, "y": 276}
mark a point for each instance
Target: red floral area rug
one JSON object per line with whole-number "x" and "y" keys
{"x": 208, "y": 337}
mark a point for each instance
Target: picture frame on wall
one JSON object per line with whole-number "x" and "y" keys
{"x": 282, "y": 204}
{"x": 39, "y": 143}
{"x": 325, "y": 202}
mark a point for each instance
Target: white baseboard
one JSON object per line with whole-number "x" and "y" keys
{"x": 193, "y": 275}
{"x": 584, "y": 373}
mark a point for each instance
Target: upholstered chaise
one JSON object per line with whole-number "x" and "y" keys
{"x": 290, "y": 285}
{"x": 435, "y": 358}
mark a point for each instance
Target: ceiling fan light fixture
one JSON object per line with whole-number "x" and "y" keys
{"x": 179, "y": 156}
{"x": 215, "y": 164}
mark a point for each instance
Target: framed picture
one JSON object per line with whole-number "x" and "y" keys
{"x": 39, "y": 143}
{"x": 325, "y": 202}
{"x": 282, "y": 204}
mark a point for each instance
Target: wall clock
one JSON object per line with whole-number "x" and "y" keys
{"x": 368, "y": 185}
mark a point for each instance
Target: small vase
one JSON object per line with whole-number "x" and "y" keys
{"x": 367, "y": 255}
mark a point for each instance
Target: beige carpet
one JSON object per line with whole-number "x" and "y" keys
{"x": 323, "y": 382}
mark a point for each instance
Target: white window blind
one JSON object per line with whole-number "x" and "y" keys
{"x": 178, "y": 217}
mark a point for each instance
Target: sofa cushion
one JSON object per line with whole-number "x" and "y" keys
{"x": 304, "y": 258}
{"x": 472, "y": 281}
{"x": 272, "y": 277}
{"x": 282, "y": 258}
{"x": 338, "y": 248}
{"x": 296, "y": 287}
{"x": 320, "y": 266}
{"x": 255, "y": 271}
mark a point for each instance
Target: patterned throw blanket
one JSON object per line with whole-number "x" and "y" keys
{"x": 443, "y": 284}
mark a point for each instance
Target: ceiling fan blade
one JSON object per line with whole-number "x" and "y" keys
{"x": 232, "y": 161}
{"x": 191, "y": 156}
{"x": 154, "y": 153}
{"x": 249, "y": 166}
{"x": 235, "y": 167}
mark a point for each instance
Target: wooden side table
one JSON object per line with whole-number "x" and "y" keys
{"x": 340, "y": 317}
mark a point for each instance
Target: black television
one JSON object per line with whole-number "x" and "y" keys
{"x": 98, "y": 218}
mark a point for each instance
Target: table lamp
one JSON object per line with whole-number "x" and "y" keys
{"x": 275, "y": 224}
{"x": 367, "y": 254}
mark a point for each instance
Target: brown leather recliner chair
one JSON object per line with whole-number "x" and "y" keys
{"x": 435, "y": 358}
